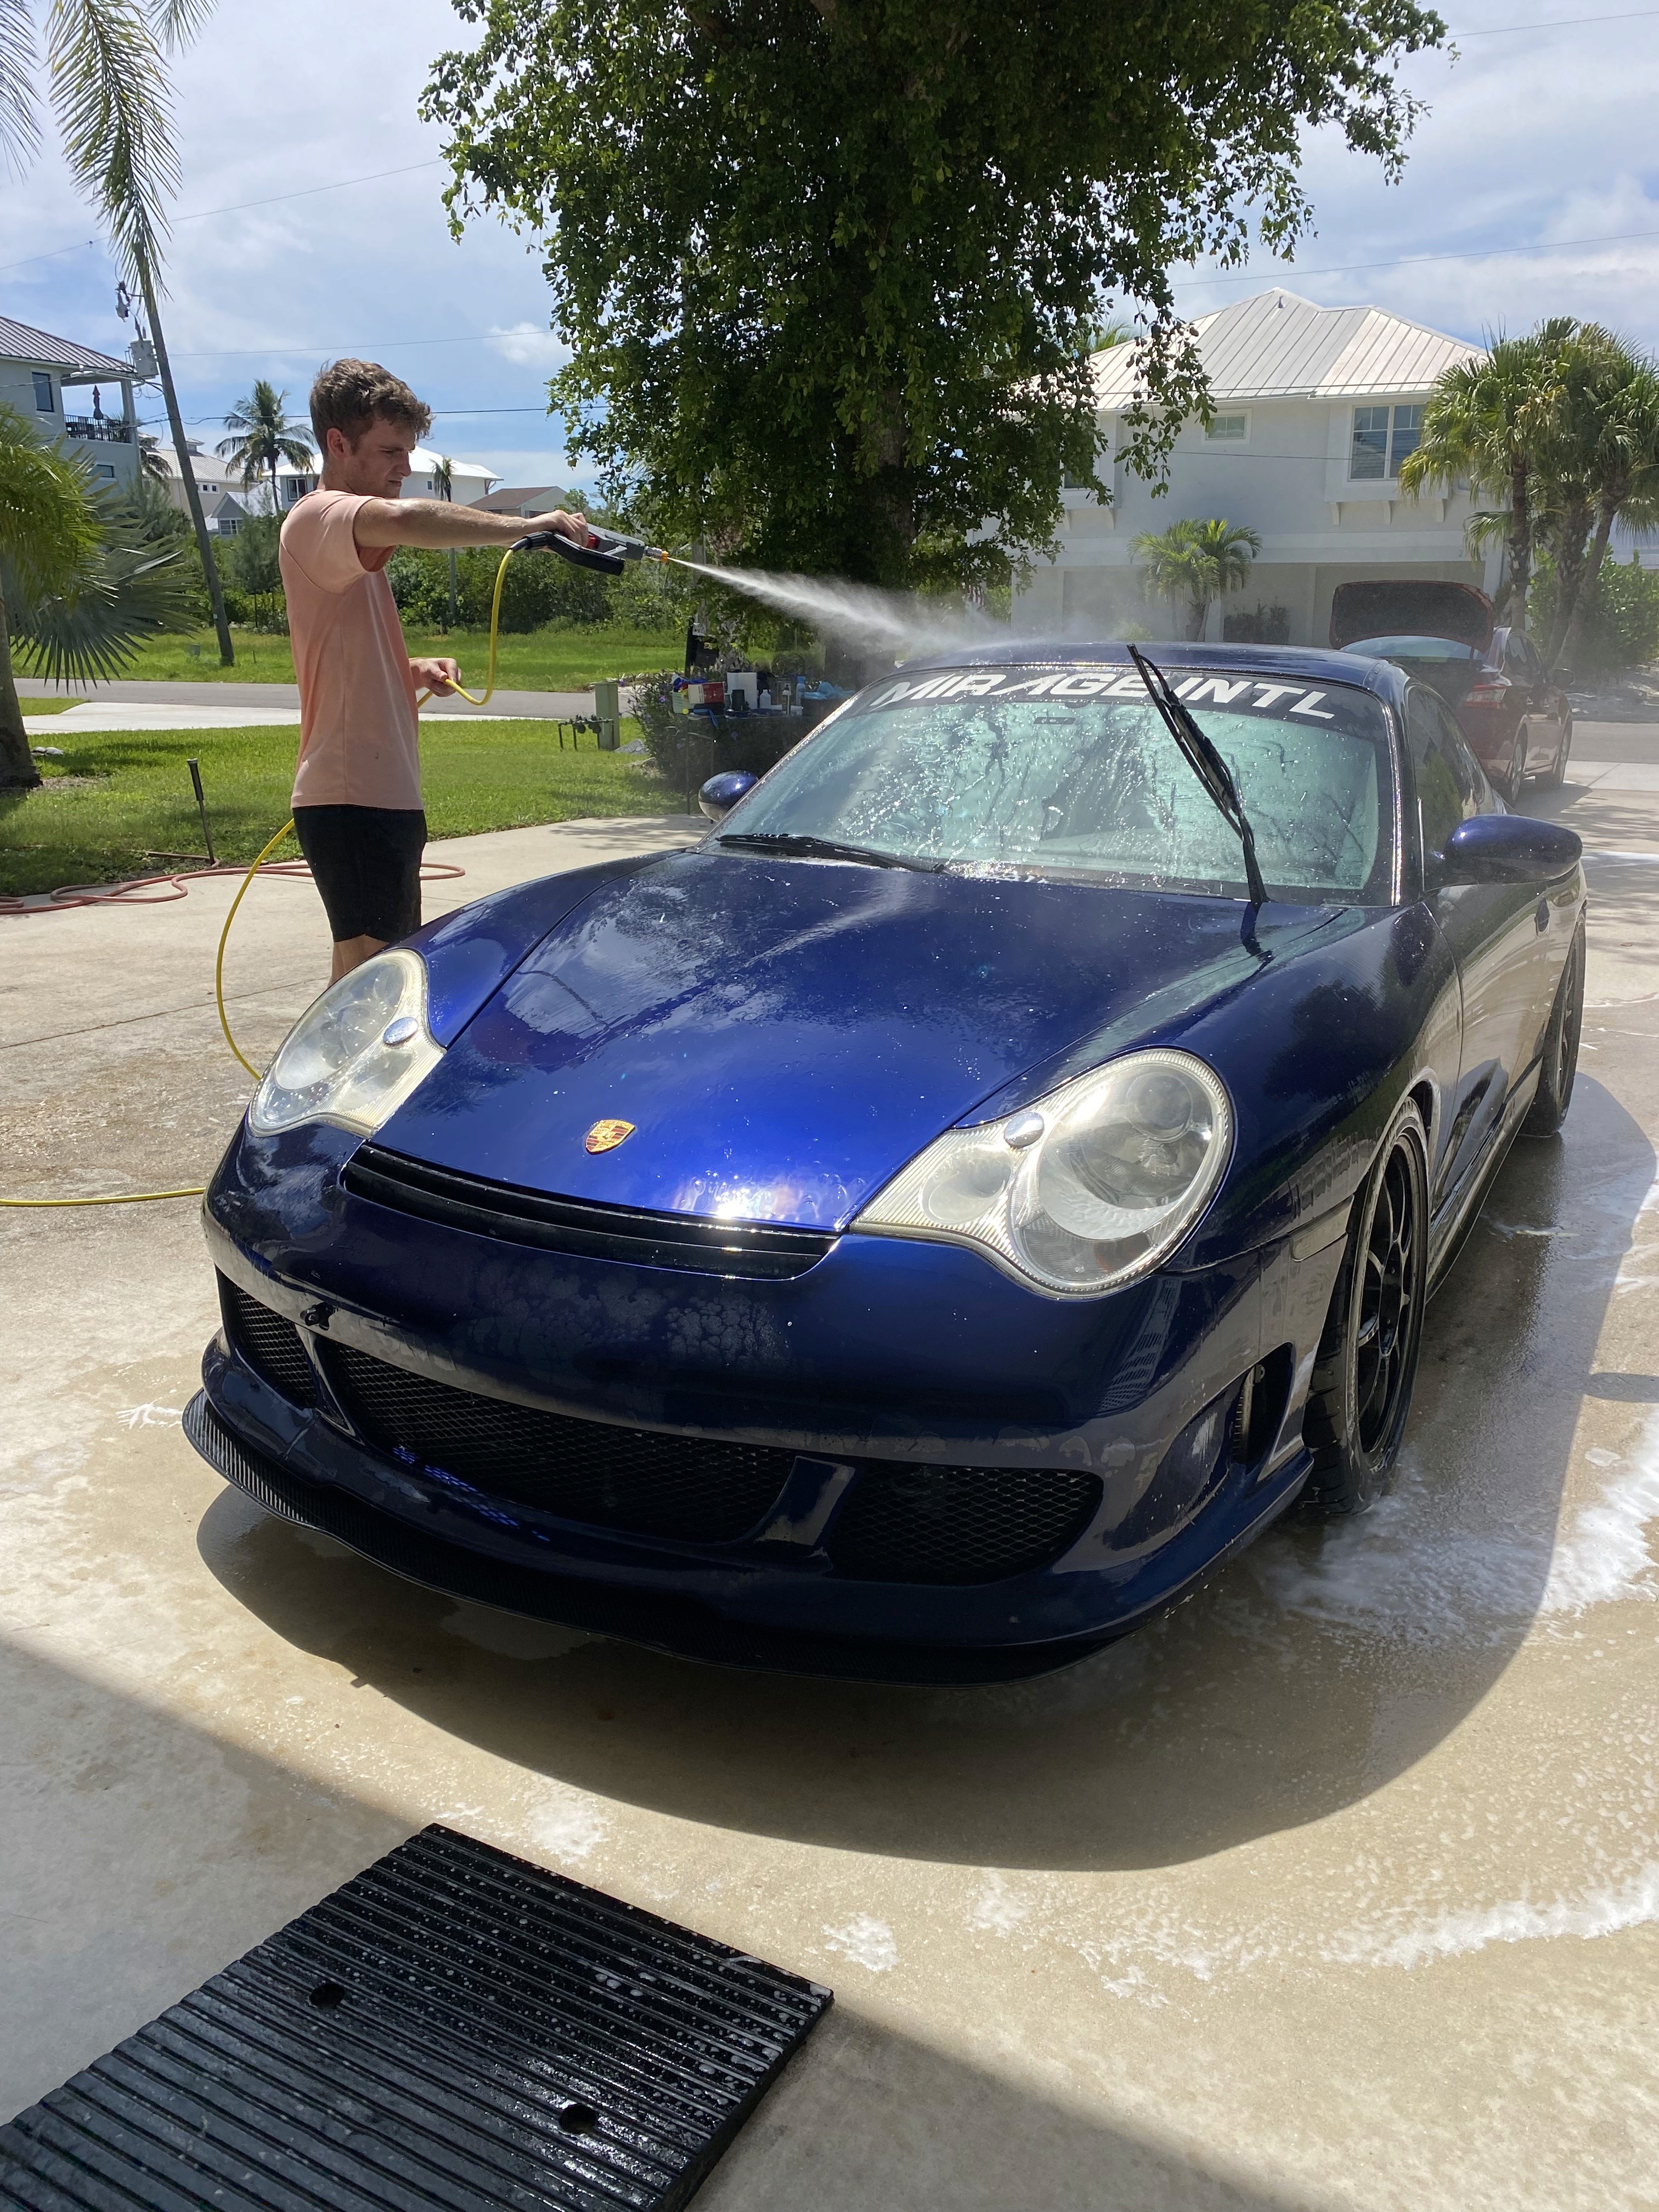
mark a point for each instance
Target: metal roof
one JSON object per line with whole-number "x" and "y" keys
{"x": 39, "y": 349}
{"x": 1276, "y": 346}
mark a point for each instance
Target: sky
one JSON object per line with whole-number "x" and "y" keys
{"x": 1532, "y": 188}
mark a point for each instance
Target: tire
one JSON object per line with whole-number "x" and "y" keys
{"x": 1549, "y": 1108}
{"x": 1514, "y": 780}
{"x": 1366, "y": 1364}
{"x": 1557, "y": 775}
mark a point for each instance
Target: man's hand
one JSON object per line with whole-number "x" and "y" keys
{"x": 568, "y": 526}
{"x": 441, "y": 677}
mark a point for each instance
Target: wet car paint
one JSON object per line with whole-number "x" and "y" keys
{"x": 710, "y": 997}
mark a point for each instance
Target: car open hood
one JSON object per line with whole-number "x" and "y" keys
{"x": 1408, "y": 606}
{"x": 785, "y": 1036}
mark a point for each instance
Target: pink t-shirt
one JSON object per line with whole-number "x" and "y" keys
{"x": 359, "y": 741}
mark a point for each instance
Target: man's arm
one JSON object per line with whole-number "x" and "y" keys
{"x": 435, "y": 522}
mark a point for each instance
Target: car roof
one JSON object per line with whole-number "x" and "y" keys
{"x": 1307, "y": 664}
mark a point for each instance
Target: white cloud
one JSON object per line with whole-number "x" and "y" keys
{"x": 530, "y": 345}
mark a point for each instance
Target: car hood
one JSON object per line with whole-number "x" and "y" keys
{"x": 784, "y": 1036}
{"x": 1410, "y": 606}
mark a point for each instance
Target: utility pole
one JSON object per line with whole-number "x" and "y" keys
{"x": 204, "y": 546}
{"x": 443, "y": 477}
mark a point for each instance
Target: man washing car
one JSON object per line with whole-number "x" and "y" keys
{"x": 357, "y": 789}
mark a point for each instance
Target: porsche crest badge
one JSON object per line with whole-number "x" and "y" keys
{"x": 605, "y": 1136}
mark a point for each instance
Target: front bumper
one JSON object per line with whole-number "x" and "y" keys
{"x": 890, "y": 1355}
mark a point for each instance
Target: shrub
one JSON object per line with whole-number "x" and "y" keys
{"x": 1259, "y": 625}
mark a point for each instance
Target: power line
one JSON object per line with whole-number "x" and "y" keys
{"x": 1555, "y": 23}
{"x": 56, "y": 253}
{"x": 339, "y": 185}
{"x": 1416, "y": 260}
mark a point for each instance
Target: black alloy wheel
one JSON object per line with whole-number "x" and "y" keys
{"x": 1361, "y": 1391}
{"x": 1560, "y": 1055}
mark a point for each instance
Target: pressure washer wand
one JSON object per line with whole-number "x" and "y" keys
{"x": 607, "y": 551}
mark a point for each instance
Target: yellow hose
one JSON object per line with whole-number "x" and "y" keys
{"x": 219, "y": 964}
{"x": 197, "y": 1190}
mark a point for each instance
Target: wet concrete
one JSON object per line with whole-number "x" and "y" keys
{"x": 1340, "y": 1888}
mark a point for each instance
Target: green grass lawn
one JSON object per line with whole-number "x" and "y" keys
{"x": 536, "y": 660}
{"x": 477, "y": 775}
{"x": 45, "y": 705}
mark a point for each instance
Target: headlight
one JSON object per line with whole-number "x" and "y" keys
{"x": 1083, "y": 1192}
{"x": 356, "y": 1054}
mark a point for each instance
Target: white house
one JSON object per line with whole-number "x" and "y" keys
{"x": 61, "y": 388}
{"x": 1314, "y": 410}
{"x": 224, "y": 505}
{"x": 469, "y": 480}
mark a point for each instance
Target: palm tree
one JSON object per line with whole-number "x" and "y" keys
{"x": 107, "y": 81}
{"x": 1608, "y": 459}
{"x": 83, "y": 579}
{"x": 264, "y": 438}
{"x": 1199, "y": 561}
{"x": 1484, "y": 420}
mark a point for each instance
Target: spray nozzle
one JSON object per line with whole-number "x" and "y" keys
{"x": 604, "y": 550}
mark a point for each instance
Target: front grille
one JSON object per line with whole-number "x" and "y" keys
{"x": 270, "y": 1345}
{"x": 957, "y": 1524}
{"x": 688, "y": 1242}
{"x": 636, "y": 1480}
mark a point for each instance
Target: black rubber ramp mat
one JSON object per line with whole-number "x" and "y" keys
{"x": 453, "y": 2028}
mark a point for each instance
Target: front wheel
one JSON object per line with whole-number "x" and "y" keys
{"x": 1555, "y": 1081}
{"x": 1558, "y": 775}
{"x": 1361, "y": 1391}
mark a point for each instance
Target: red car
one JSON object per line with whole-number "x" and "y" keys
{"x": 1518, "y": 723}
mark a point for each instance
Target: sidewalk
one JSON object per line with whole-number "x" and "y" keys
{"x": 227, "y": 706}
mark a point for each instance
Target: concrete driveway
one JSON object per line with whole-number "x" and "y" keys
{"x": 1340, "y": 1888}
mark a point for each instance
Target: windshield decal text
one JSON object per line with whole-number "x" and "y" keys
{"x": 1197, "y": 691}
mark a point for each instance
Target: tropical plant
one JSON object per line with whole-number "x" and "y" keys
{"x": 263, "y": 437}
{"x": 1485, "y": 422}
{"x": 1198, "y": 562}
{"x": 106, "y": 79}
{"x": 85, "y": 575}
{"x": 1604, "y": 465}
{"x": 826, "y": 267}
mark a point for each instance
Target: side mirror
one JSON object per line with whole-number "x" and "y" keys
{"x": 1507, "y": 849}
{"x": 721, "y": 793}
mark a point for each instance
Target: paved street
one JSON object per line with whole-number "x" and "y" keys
{"x": 232, "y": 706}
{"x": 1339, "y": 1889}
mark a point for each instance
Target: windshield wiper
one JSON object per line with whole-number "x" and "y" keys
{"x": 1208, "y": 765}
{"x": 798, "y": 842}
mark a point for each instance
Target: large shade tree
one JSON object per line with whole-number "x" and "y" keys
{"x": 828, "y": 269}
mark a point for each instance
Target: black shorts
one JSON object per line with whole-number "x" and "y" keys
{"x": 366, "y": 861}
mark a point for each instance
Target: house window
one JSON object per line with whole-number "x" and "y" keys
{"x": 44, "y": 403}
{"x": 103, "y": 468}
{"x": 1228, "y": 429}
{"x": 1382, "y": 436}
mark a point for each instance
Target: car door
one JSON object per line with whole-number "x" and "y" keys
{"x": 1493, "y": 933}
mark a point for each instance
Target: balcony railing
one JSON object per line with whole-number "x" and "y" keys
{"x": 92, "y": 426}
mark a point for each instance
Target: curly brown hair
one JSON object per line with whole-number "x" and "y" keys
{"x": 349, "y": 395}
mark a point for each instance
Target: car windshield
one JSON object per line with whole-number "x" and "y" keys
{"x": 1414, "y": 648}
{"x": 1072, "y": 773}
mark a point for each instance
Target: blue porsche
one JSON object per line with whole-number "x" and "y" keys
{"x": 922, "y": 1230}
